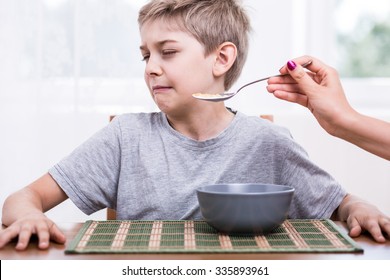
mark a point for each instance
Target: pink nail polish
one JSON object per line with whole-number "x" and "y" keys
{"x": 291, "y": 65}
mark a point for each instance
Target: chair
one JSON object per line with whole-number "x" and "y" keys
{"x": 268, "y": 117}
{"x": 111, "y": 213}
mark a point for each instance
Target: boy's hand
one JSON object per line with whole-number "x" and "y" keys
{"x": 362, "y": 216}
{"x": 37, "y": 224}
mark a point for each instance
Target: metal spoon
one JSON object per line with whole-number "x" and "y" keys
{"x": 215, "y": 97}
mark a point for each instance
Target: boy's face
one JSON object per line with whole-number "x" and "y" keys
{"x": 176, "y": 66}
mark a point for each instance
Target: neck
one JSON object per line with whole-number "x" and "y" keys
{"x": 203, "y": 125}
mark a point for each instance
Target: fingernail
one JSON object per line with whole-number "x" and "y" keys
{"x": 291, "y": 65}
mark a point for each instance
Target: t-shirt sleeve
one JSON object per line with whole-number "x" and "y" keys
{"x": 317, "y": 194}
{"x": 90, "y": 174}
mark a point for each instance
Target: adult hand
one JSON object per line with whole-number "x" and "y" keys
{"x": 319, "y": 90}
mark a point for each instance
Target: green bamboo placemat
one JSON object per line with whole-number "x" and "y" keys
{"x": 293, "y": 236}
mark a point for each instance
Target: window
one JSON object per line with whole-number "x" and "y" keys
{"x": 362, "y": 47}
{"x": 72, "y": 56}
{"x": 363, "y": 37}
{"x": 352, "y": 36}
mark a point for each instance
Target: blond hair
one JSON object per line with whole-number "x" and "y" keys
{"x": 211, "y": 22}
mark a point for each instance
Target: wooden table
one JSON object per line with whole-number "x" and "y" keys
{"x": 372, "y": 251}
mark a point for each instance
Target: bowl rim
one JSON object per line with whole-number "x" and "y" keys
{"x": 287, "y": 189}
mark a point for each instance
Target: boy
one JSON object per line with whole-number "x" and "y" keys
{"x": 147, "y": 166}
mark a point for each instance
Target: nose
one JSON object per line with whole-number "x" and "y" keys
{"x": 152, "y": 67}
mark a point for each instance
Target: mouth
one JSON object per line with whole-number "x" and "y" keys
{"x": 160, "y": 89}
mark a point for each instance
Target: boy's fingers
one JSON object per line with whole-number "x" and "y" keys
{"x": 56, "y": 234}
{"x": 24, "y": 238}
{"x": 374, "y": 228}
{"x": 7, "y": 235}
{"x": 45, "y": 233}
{"x": 376, "y": 232}
{"x": 354, "y": 227}
{"x": 49, "y": 232}
{"x": 379, "y": 229}
{"x": 386, "y": 226}
{"x": 43, "y": 236}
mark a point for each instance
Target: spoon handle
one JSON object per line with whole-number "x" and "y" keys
{"x": 260, "y": 80}
{"x": 263, "y": 79}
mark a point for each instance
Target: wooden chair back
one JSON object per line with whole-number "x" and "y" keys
{"x": 111, "y": 213}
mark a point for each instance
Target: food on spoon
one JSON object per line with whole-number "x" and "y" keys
{"x": 207, "y": 95}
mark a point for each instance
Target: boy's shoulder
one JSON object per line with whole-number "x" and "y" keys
{"x": 262, "y": 125}
{"x": 136, "y": 121}
{"x": 262, "y": 130}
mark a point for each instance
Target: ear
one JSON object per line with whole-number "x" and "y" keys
{"x": 225, "y": 56}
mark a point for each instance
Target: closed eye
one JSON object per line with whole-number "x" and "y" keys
{"x": 145, "y": 57}
{"x": 168, "y": 52}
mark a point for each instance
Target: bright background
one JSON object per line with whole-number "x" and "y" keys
{"x": 65, "y": 66}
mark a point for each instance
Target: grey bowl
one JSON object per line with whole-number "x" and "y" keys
{"x": 245, "y": 208}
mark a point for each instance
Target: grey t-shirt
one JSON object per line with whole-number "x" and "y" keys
{"x": 143, "y": 168}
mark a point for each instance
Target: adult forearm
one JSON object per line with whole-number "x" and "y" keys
{"x": 370, "y": 134}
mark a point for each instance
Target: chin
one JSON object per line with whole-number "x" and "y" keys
{"x": 163, "y": 106}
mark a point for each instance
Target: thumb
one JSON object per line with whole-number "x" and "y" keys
{"x": 298, "y": 73}
{"x": 57, "y": 235}
{"x": 354, "y": 227}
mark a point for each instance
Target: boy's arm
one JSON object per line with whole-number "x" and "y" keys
{"x": 362, "y": 216}
{"x": 23, "y": 214}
